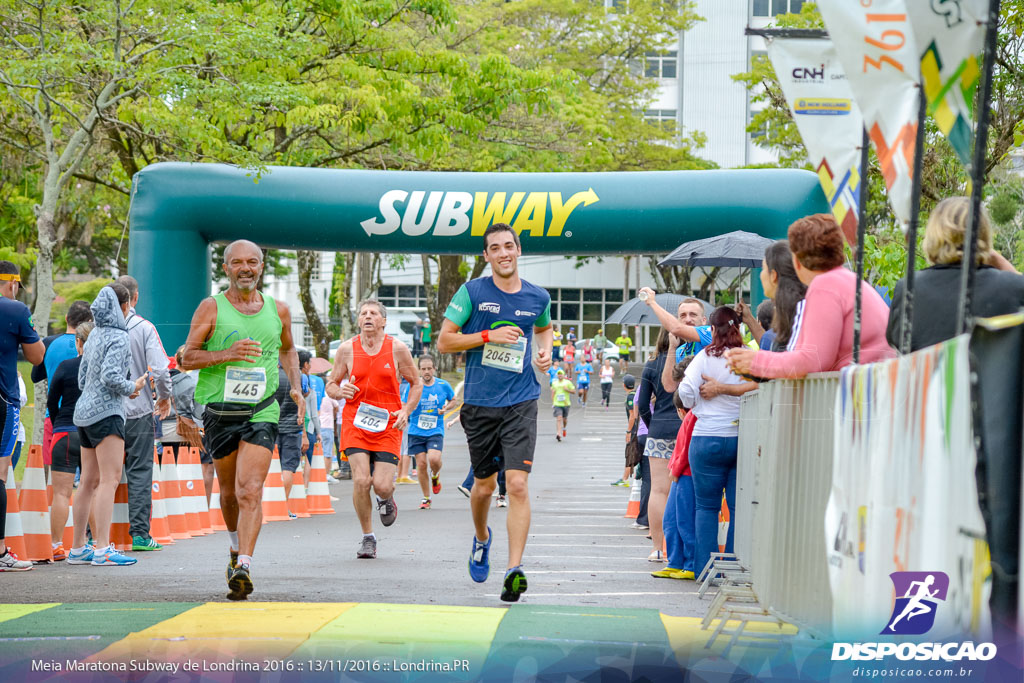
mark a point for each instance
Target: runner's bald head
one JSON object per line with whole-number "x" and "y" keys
{"x": 239, "y": 244}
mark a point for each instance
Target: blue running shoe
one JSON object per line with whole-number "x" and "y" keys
{"x": 108, "y": 557}
{"x": 83, "y": 557}
{"x": 480, "y": 558}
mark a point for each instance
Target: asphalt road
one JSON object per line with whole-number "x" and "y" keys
{"x": 581, "y": 549}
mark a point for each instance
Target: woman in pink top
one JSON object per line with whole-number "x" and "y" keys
{"x": 825, "y": 342}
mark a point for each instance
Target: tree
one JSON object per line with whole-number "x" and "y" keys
{"x": 942, "y": 173}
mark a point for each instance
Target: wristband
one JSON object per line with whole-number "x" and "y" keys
{"x": 486, "y": 336}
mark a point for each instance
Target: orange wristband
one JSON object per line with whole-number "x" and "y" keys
{"x": 486, "y": 336}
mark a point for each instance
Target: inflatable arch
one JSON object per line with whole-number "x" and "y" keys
{"x": 178, "y": 209}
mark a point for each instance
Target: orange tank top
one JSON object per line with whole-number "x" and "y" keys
{"x": 364, "y": 423}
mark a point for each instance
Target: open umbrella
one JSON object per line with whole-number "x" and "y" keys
{"x": 636, "y": 312}
{"x": 319, "y": 365}
{"x": 734, "y": 249}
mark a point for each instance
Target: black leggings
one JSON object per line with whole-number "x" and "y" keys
{"x": 3, "y": 503}
{"x": 606, "y": 392}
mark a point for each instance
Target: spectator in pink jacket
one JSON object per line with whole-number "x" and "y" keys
{"x": 825, "y": 342}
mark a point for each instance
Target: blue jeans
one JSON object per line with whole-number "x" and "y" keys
{"x": 678, "y": 523}
{"x": 713, "y": 463}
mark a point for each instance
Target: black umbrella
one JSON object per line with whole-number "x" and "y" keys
{"x": 738, "y": 249}
{"x": 636, "y": 312}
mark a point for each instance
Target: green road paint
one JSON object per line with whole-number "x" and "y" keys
{"x": 8, "y": 612}
{"x": 76, "y": 631}
{"x": 554, "y": 642}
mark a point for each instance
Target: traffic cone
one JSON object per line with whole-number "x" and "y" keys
{"x": 15, "y": 535}
{"x": 216, "y": 516}
{"x": 120, "y": 529}
{"x": 633, "y": 507}
{"x": 35, "y": 510}
{"x": 187, "y": 489}
{"x": 68, "y": 538}
{"x": 723, "y": 526}
{"x": 159, "y": 527}
{"x": 49, "y": 488}
{"x": 199, "y": 492}
{"x": 297, "y": 497}
{"x": 172, "y": 496}
{"x": 275, "y": 505}
{"x": 318, "y": 496}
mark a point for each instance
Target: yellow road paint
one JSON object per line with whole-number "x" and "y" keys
{"x": 8, "y": 612}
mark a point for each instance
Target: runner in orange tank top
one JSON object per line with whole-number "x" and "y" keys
{"x": 374, "y": 416}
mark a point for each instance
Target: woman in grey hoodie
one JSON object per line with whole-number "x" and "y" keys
{"x": 99, "y": 416}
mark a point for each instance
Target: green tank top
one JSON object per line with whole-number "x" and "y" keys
{"x": 235, "y": 382}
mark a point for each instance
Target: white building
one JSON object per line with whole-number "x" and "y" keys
{"x": 696, "y": 93}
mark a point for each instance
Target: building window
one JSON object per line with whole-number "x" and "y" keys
{"x": 761, "y": 8}
{"x": 660, "y": 64}
{"x": 666, "y": 118}
{"x": 307, "y": 337}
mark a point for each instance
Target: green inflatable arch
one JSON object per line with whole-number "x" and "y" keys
{"x": 178, "y": 209}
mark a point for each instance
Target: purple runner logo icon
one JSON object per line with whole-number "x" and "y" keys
{"x": 917, "y": 598}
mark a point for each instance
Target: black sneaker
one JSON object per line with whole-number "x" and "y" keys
{"x": 514, "y": 586}
{"x": 240, "y": 583}
{"x": 232, "y": 563}
{"x": 388, "y": 510}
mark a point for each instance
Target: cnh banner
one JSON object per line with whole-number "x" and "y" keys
{"x": 904, "y": 502}
{"x": 875, "y": 44}
{"x": 950, "y": 35}
{"x": 829, "y": 121}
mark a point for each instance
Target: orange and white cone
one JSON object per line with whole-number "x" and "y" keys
{"x": 159, "y": 527}
{"x": 187, "y": 488}
{"x": 723, "y": 526}
{"x": 297, "y": 497}
{"x": 216, "y": 516}
{"x": 633, "y": 507}
{"x": 68, "y": 539}
{"x": 199, "y": 492}
{"x": 318, "y": 496}
{"x": 15, "y": 534}
{"x": 172, "y": 496}
{"x": 35, "y": 509}
{"x": 120, "y": 528}
{"x": 275, "y": 504}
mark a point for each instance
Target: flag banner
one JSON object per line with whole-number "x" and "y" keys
{"x": 829, "y": 121}
{"x": 950, "y": 36}
{"x": 903, "y": 494}
{"x": 875, "y": 44}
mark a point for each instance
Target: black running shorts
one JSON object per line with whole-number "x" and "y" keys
{"x": 67, "y": 452}
{"x": 223, "y": 440}
{"x": 375, "y": 456}
{"x": 500, "y": 438}
{"x": 90, "y": 436}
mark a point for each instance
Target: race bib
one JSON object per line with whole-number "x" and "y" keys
{"x": 427, "y": 422}
{"x": 561, "y": 397}
{"x": 244, "y": 384}
{"x": 505, "y": 356}
{"x": 370, "y": 418}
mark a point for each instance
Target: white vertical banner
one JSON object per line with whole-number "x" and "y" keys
{"x": 875, "y": 43}
{"x": 829, "y": 121}
{"x": 950, "y": 35}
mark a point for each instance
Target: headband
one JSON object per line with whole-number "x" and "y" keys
{"x": 10, "y": 277}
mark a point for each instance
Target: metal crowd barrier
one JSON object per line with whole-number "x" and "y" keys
{"x": 784, "y": 475}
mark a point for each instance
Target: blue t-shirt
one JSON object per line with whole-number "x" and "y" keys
{"x": 583, "y": 371}
{"x": 767, "y": 339}
{"x": 15, "y": 330}
{"x": 693, "y": 348}
{"x": 552, "y": 373}
{"x": 479, "y": 305}
{"x": 60, "y": 349}
{"x": 431, "y": 401}
{"x": 319, "y": 387}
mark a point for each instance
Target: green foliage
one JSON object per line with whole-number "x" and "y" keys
{"x": 68, "y": 293}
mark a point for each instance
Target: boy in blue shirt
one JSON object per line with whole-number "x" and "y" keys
{"x": 426, "y": 428}
{"x": 583, "y": 370}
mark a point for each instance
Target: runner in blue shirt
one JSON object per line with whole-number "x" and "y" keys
{"x": 691, "y": 314}
{"x": 494, "y": 320}
{"x": 15, "y": 331}
{"x": 583, "y": 370}
{"x": 426, "y": 427}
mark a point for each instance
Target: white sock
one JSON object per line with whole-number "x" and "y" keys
{"x": 78, "y": 550}
{"x": 55, "y": 545}
{"x": 244, "y": 559}
{"x": 233, "y": 536}
{"x": 370, "y": 535}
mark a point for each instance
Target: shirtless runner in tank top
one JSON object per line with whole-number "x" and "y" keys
{"x": 374, "y": 416}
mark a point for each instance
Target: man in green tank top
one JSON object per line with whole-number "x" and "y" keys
{"x": 235, "y": 341}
